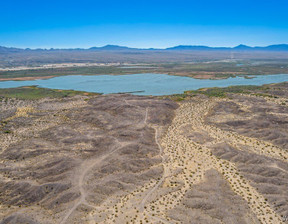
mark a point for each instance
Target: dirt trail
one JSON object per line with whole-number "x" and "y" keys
{"x": 164, "y": 175}
{"x": 80, "y": 179}
{"x": 136, "y": 201}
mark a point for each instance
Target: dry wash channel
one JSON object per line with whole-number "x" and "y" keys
{"x": 212, "y": 175}
{"x": 129, "y": 159}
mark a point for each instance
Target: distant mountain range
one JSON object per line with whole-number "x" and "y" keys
{"x": 241, "y": 47}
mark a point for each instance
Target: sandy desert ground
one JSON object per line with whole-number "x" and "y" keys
{"x": 135, "y": 159}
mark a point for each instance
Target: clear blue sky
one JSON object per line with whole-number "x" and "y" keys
{"x": 158, "y": 23}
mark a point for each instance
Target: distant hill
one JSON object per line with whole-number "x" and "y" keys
{"x": 196, "y": 47}
{"x": 111, "y": 47}
{"x": 279, "y": 47}
{"x": 9, "y": 49}
{"x": 243, "y": 47}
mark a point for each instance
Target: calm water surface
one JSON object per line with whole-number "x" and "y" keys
{"x": 147, "y": 84}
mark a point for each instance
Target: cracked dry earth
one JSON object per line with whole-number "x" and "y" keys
{"x": 132, "y": 159}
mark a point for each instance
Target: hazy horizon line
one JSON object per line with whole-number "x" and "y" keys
{"x": 142, "y": 48}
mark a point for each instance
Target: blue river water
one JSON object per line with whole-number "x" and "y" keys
{"x": 141, "y": 84}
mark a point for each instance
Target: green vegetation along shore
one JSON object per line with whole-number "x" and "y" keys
{"x": 34, "y": 93}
